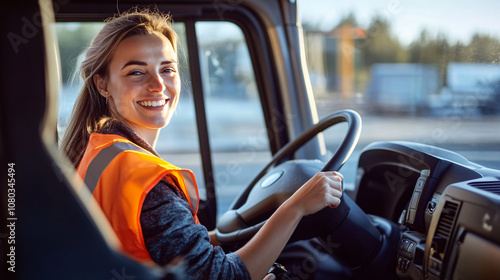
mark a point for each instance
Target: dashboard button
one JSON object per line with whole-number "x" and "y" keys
{"x": 405, "y": 246}
{"x": 410, "y": 247}
{"x": 420, "y": 184}
{"x": 406, "y": 265}
{"x": 402, "y": 244}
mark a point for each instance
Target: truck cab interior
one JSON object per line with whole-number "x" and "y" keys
{"x": 253, "y": 128}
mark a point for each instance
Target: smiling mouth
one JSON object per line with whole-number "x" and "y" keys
{"x": 159, "y": 103}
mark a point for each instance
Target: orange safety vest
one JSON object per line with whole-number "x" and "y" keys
{"x": 120, "y": 174}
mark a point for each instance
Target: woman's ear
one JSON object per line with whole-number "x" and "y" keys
{"x": 101, "y": 85}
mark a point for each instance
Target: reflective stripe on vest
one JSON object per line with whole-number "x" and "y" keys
{"x": 103, "y": 158}
{"x": 120, "y": 174}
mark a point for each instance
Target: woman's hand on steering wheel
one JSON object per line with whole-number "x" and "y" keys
{"x": 322, "y": 190}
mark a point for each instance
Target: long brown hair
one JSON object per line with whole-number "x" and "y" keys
{"x": 91, "y": 112}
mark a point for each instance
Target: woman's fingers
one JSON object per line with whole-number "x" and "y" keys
{"x": 335, "y": 190}
{"x": 270, "y": 276}
{"x": 334, "y": 198}
{"x": 339, "y": 175}
{"x": 332, "y": 184}
{"x": 324, "y": 189}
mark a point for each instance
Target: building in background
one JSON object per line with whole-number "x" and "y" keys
{"x": 333, "y": 60}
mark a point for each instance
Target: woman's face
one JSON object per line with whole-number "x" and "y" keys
{"x": 143, "y": 83}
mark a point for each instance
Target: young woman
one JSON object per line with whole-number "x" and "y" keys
{"x": 131, "y": 89}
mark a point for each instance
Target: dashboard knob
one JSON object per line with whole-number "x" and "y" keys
{"x": 431, "y": 206}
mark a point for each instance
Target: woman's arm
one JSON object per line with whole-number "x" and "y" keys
{"x": 170, "y": 232}
{"x": 324, "y": 189}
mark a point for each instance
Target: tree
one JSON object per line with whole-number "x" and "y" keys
{"x": 434, "y": 51}
{"x": 349, "y": 19}
{"x": 483, "y": 49}
{"x": 380, "y": 46}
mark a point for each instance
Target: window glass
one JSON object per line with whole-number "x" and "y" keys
{"x": 73, "y": 38}
{"x": 422, "y": 71}
{"x": 236, "y": 125}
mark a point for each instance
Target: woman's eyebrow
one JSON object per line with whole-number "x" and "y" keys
{"x": 168, "y": 62}
{"x": 142, "y": 63}
{"x": 135, "y": 62}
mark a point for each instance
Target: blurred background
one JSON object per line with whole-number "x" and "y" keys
{"x": 424, "y": 71}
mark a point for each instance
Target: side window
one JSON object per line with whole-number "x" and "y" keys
{"x": 236, "y": 124}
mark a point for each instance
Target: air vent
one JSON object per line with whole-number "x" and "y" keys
{"x": 442, "y": 236}
{"x": 447, "y": 219}
{"x": 489, "y": 186}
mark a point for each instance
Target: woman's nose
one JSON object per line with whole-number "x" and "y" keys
{"x": 156, "y": 83}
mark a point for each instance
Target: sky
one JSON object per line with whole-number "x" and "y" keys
{"x": 458, "y": 19}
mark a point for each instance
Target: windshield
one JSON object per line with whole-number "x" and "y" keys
{"x": 423, "y": 71}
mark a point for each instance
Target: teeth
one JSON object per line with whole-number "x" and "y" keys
{"x": 152, "y": 103}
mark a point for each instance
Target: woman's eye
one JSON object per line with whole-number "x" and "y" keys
{"x": 134, "y": 73}
{"x": 168, "y": 70}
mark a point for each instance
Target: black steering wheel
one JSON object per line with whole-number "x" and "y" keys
{"x": 281, "y": 178}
